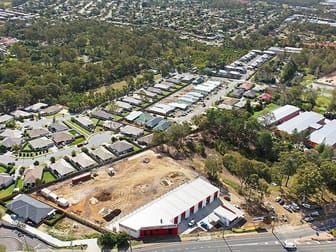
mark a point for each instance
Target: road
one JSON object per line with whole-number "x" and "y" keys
{"x": 262, "y": 242}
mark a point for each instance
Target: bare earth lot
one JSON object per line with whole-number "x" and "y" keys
{"x": 136, "y": 183}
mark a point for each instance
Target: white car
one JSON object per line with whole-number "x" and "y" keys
{"x": 306, "y": 205}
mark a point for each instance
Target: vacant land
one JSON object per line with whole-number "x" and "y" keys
{"x": 137, "y": 181}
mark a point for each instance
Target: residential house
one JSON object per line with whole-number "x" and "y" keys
{"x": 12, "y": 133}
{"x": 9, "y": 142}
{"x": 5, "y": 118}
{"x": 5, "y": 180}
{"x": 101, "y": 115}
{"x": 102, "y": 155}
{"x": 246, "y": 86}
{"x": 250, "y": 94}
{"x": 238, "y": 93}
{"x": 155, "y": 90}
{"x": 121, "y": 147}
{"x": 36, "y": 133}
{"x": 52, "y": 110}
{"x": 144, "y": 118}
{"x": 62, "y": 168}
{"x": 112, "y": 125}
{"x": 132, "y": 100}
{"x": 32, "y": 174}
{"x": 20, "y": 114}
{"x": 153, "y": 122}
{"x": 264, "y": 97}
{"x": 40, "y": 144}
{"x": 83, "y": 161}
{"x": 146, "y": 140}
{"x": 57, "y": 127}
{"x": 131, "y": 131}
{"x": 84, "y": 122}
{"x": 325, "y": 135}
{"x": 62, "y": 138}
{"x": 133, "y": 115}
{"x": 30, "y": 209}
{"x": 162, "y": 125}
{"x": 124, "y": 105}
{"x": 36, "y": 107}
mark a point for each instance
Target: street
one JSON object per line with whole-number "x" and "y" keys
{"x": 262, "y": 242}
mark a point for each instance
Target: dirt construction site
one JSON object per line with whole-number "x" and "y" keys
{"x": 137, "y": 180}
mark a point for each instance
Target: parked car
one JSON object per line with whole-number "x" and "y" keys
{"x": 277, "y": 199}
{"x": 295, "y": 207}
{"x": 306, "y": 205}
{"x": 191, "y": 223}
{"x": 282, "y": 202}
{"x": 204, "y": 225}
{"x": 308, "y": 219}
{"x": 288, "y": 245}
{"x": 288, "y": 208}
{"x": 315, "y": 213}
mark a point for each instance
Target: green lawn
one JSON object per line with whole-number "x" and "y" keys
{"x": 2, "y": 248}
{"x": 78, "y": 128}
{"x": 73, "y": 132}
{"x": 2, "y": 169}
{"x": 136, "y": 148}
{"x": 7, "y": 191}
{"x": 94, "y": 120}
{"x": 99, "y": 129}
{"x": 27, "y": 147}
{"x": 47, "y": 177}
{"x": 165, "y": 93}
{"x": 77, "y": 141}
{"x": 19, "y": 183}
{"x": 123, "y": 114}
{"x": 267, "y": 109}
{"x": 117, "y": 118}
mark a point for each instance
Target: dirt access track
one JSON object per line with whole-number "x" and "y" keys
{"x": 137, "y": 180}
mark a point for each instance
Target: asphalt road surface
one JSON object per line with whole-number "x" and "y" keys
{"x": 258, "y": 243}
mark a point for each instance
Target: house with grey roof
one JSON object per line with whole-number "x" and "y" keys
{"x": 124, "y": 105}
{"x": 57, "y": 127}
{"x": 62, "y": 168}
{"x": 30, "y": 209}
{"x": 131, "y": 131}
{"x": 162, "y": 125}
{"x": 85, "y": 122}
{"x": 36, "y": 133}
{"x": 32, "y": 174}
{"x": 132, "y": 100}
{"x": 62, "y": 138}
{"x": 102, "y": 155}
{"x": 155, "y": 90}
{"x": 101, "y": 115}
{"x": 153, "y": 122}
{"x": 40, "y": 144}
{"x": 83, "y": 161}
{"x": 5, "y": 118}
{"x": 112, "y": 125}
{"x": 52, "y": 110}
{"x": 5, "y": 180}
{"x": 9, "y": 142}
{"x": 120, "y": 147}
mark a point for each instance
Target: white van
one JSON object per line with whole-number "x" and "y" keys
{"x": 289, "y": 245}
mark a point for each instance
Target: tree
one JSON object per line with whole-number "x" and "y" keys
{"x": 213, "y": 164}
{"x": 265, "y": 145}
{"x": 122, "y": 239}
{"x": 3, "y": 148}
{"x": 308, "y": 180}
{"x": 36, "y": 163}
{"x": 289, "y": 162}
{"x": 107, "y": 241}
{"x": 52, "y": 160}
{"x": 73, "y": 153}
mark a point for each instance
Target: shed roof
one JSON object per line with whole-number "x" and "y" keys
{"x": 301, "y": 122}
{"x": 163, "y": 210}
{"x": 327, "y": 134}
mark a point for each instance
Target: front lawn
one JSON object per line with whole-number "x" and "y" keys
{"x": 78, "y": 128}
{"x": 267, "y": 109}
{"x": 77, "y": 141}
{"x": 48, "y": 177}
{"x": 2, "y": 169}
{"x": 7, "y": 191}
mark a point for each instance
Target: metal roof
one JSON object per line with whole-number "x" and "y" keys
{"x": 327, "y": 134}
{"x": 301, "y": 122}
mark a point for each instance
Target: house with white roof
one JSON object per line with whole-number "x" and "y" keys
{"x": 279, "y": 115}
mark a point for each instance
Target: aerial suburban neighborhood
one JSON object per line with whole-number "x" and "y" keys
{"x": 167, "y": 125}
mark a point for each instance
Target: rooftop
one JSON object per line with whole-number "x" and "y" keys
{"x": 163, "y": 210}
{"x": 83, "y": 160}
{"x": 62, "y": 167}
{"x": 326, "y": 135}
{"x": 102, "y": 153}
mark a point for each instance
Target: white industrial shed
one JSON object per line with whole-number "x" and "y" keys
{"x": 179, "y": 105}
{"x": 326, "y": 135}
{"x": 279, "y": 115}
{"x": 162, "y": 216}
{"x": 305, "y": 120}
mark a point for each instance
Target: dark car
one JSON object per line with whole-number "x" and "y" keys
{"x": 204, "y": 225}
{"x": 282, "y": 202}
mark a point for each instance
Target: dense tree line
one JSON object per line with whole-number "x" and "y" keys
{"x": 58, "y": 61}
